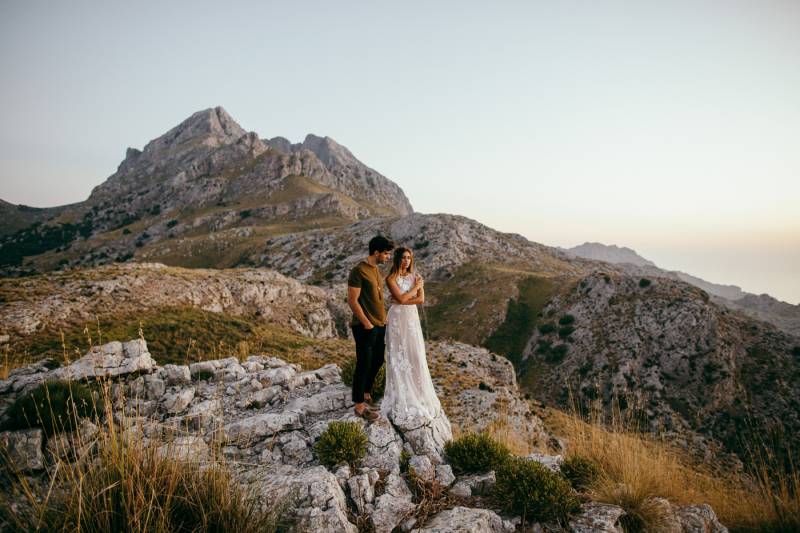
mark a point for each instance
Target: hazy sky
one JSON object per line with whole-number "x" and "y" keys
{"x": 669, "y": 127}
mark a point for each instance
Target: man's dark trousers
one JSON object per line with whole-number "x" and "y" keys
{"x": 369, "y": 358}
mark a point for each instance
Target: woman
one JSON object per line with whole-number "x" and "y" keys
{"x": 409, "y": 397}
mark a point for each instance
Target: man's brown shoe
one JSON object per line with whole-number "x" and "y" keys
{"x": 367, "y": 414}
{"x": 370, "y": 402}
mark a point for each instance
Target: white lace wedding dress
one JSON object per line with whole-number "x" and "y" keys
{"x": 409, "y": 398}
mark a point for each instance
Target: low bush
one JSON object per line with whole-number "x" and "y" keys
{"x": 203, "y": 375}
{"x": 348, "y": 368}
{"x": 644, "y": 282}
{"x": 566, "y": 320}
{"x": 580, "y": 471}
{"x": 475, "y": 453}
{"x": 53, "y": 406}
{"x": 547, "y": 327}
{"x": 565, "y": 331}
{"x": 342, "y": 442}
{"x": 555, "y": 354}
{"x": 531, "y": 490}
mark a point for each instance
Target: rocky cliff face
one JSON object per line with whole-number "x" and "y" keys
{"x": 346, "y": 173}
{"x": 694, "y": 370}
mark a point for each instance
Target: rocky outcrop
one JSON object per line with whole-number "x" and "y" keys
{"x": 265, "y": 416}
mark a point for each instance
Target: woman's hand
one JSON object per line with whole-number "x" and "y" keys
{"x": 420, "y": 282}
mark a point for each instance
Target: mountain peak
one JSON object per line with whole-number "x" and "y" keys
{"x": 609, "y": 253}
{"x": 327, "y": 150}
{"x": 214, "y": 124}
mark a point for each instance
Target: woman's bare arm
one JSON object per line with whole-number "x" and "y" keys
{"x": 418, "y": 299}
{"x": 399, "y": 297}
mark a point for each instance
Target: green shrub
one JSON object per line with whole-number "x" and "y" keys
{"x": 204, "y": 375}
{"x": 556, "y": 353}
{"x": 53, "y": 406}
{"x": 546, "y": 328}
{"x": 475, "y": 453}
{"x": 405, "y": 457}
{"x": 349, "y": 368}
{"x": 565, "y": 331}
{"x": 580, "y": 471}
{"x": 342, "y": 442}
{"x": 644, "y": 282}
{"x": 531, "y": 490}
{"x": 566, "y": 320}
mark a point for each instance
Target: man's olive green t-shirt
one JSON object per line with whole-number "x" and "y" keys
{"x": 368, "y": 278}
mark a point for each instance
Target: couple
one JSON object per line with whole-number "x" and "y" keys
{"x": 409, "y": 395}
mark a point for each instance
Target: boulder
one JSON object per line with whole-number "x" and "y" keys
{"x": 466, "y": 520}
{"x": 23, "y": 449}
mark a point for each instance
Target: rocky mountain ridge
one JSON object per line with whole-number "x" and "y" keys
{"x": 762, "y": 307}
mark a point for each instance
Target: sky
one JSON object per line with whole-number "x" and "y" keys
{"x": 672, "y": 127}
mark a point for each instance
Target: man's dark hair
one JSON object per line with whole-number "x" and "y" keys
{"x": 380, "y": 244}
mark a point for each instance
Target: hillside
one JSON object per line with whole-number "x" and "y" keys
{"x": 686, "y": 367}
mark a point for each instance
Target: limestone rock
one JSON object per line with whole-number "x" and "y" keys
{"x": 474, "y": 485}
{"x": 597, "y": 517}
{"x": 259, "y": 426}
{"x": 699, "y": 519}
{"x": 23, "y": 449}
{"x": 318, "y": 500}
{"x": 189, "y": 448}
{"x": 465, "y": 520}
{"x": 393, "y": 506}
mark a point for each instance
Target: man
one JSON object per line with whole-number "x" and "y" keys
{"x": 365, "y": 298}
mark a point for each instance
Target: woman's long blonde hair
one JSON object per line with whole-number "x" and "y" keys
{"x": 397, "y": 261}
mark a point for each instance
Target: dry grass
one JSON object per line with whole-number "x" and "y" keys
{"x": 638, "y": 467}
{"x": 121, "y": 482}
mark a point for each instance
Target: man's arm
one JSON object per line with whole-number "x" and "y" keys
{"x": 352, "y": 300}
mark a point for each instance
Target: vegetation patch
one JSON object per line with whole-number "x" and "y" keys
{"x": 475, "y": 453}
{"x": 547, "y": 327}
{"x": 510, "y": 338}
{"x": 39, "y": 238}
{"x": 342, "y": 442}
{"x": 565, "y": 331}
{"x": 566, "y": 320}
{"x": 531, "y": 490}
{"x": 580, "y": 471}
{"x": 54, "y": 406}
